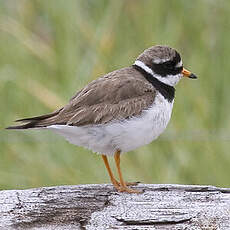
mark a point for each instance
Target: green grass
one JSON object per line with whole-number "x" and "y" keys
{"x": 50, "y": 49}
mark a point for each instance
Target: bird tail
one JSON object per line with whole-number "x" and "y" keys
{"x": 35, "y": 122}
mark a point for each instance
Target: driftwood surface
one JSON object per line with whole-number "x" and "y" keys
{"x": 101, "y": 207}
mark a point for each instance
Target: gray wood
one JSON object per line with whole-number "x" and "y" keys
{"x": 101, "y": 207}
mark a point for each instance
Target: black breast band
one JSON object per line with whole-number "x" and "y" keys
{"x": 167, "y": 91}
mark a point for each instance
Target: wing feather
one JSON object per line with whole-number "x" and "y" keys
{"x": 118, "y": 95}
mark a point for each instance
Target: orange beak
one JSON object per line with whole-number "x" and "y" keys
{"x": 187, "y": 73}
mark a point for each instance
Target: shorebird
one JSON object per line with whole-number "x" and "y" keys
{"x": 120, "y": 111}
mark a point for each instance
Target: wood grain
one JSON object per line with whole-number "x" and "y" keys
{"x": 101, "y": 207}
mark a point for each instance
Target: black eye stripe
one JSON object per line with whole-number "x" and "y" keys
{"x": 168, "y": 67}
{"x": 164, "y": 71}
{"x": 168, "y": 64}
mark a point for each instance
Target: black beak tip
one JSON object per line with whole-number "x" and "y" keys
{"x": 193, "y": 76}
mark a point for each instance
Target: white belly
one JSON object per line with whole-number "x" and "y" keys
{"x": 126, "y": 135}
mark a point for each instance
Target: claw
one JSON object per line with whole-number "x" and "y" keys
{"x": 126, "y": 183}
{"x": 132, "y": 183}
{"x": 128, "y": 190}
{"x": 121, "y": 188}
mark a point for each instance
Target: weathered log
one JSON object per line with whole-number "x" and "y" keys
{"x": 101, "y": 207}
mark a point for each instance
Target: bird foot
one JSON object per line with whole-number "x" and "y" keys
{"x": 121, "y": 188}
{"x": 126, "y": 183}
{"x": 128, "y": 190}
{"x": 132, "y": 183}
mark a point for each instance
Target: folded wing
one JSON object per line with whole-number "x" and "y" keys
{"x": 118, "y": 95}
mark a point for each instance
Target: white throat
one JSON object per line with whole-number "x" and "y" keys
{"x": 171, "y": 80}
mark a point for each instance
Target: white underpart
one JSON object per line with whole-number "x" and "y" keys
{"x": 124, "y": 135}
{"x": 169, "y": 79}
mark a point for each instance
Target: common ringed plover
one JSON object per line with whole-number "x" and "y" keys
{"x": 121, "y": 110}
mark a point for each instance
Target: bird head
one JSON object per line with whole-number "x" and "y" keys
{"x": 164, "y": 63}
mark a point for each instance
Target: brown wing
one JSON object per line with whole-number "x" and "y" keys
{"x": 119, "y": 95}
{"x": 103, "y": 113}
{"x": 116, "y": 96}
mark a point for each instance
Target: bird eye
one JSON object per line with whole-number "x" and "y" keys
{"x": 169, "y": 65}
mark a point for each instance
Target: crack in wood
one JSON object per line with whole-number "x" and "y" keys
{"x": 153, "y": 222}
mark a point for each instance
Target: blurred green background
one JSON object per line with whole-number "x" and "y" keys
{"x": 51, "y": 49}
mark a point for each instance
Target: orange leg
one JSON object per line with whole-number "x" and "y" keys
{"x": 123, "y": 186}
{"x": 112, "y": 178}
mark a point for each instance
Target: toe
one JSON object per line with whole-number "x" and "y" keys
{"x": 129, "y": 190}
{"x": 132, "y": 183}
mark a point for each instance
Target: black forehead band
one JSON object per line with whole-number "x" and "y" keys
{"x": 177, "y": 58}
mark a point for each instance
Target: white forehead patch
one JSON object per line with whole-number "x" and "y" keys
{"x": 159, "y": 60}
{"x": 179, "y": 64}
